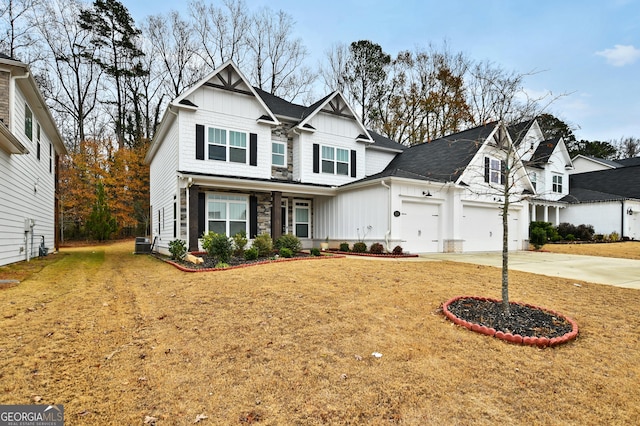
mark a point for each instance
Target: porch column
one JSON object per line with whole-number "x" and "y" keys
{"x": 557, "y": 215}
{"x": 533, "y": 212}
{"x": 546, "y": 213}
{"x": 192, "y": 221}
{"x": 276, "y": 215}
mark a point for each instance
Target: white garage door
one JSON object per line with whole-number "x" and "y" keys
{"x": 482, "y": 229}
{"x": 420, "y": 227}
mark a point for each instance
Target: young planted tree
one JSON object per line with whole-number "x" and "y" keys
{"x": 101, "y": 224}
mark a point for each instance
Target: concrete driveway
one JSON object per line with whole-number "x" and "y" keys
{"x": 602, "y": 270}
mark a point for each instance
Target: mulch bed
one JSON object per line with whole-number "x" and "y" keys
{"x": 209, "y": 262}
{"x": 524, "y": 323}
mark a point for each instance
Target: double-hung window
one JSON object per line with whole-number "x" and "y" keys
{"x": 557, "y": 184}
{"x": 494, "y": 170}
{"x": 278, "y": 154}
{"x": 227, "y": 214}
{"x": 237, "y": 147}
{"x": 335, "y": 160}
{"x": 217, "y": 144}
{"x": 221, "y": 147}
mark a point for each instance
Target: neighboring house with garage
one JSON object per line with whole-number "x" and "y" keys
{"x": 607, "y": 199}
{"x": 30, "y": 148}
{"x": 229, "y": 157}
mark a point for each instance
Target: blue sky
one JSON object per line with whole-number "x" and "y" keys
{"x": 587, "y": 50}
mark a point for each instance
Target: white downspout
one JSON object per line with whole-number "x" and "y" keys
{"x": 388, "y": 233}
{"x": 12, "y": 89}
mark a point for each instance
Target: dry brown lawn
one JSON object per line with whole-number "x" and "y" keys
{"x": 122, "y": 339}
{"x": 627, "y": 250}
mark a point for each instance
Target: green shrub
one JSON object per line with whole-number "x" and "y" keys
{"x": 289, "y": 241}
{"x": 315, "y": 251}
{"x": 221, "y": 265}
{"x": 217, "y": 245}
{"x": 286, "y": 252}
{"x": 178, "y": 249}
{"x": 397, "y": 250}
{"x": 538, "y": 237}
{"x": 359, "y": 247}
{"x": 614, "y": 237}
{"x": 344, "y": 246}
{"x": 251, "y": 254}
{"x": 264, "y": 244}
{"x": 239, "y": 243}
{"x": 549, "y": 232}
{"x": 598, "y": 237}
{"x": 570, "y": 237}
{"x": 376, "y": 248}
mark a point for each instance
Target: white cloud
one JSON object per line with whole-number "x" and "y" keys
{"x": 620, "y": 55}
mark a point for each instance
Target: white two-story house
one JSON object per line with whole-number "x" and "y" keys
{"x": 548, "y": 165}
{"x": 30, "y": 148}
{"x": 228, "y": 157}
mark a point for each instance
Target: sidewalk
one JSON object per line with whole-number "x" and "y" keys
{"x": 602, "y": 270}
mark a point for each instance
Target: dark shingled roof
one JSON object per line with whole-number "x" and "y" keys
{"x": 3, "y": 56}
{"x": 582, "y": 195}
{"x": 517, "y": 131}
{"x": 385, "y": 142}
{"x": 281, "y": 107}
{"x": 627, "y": 162}
{"x": 543, "y": 152}
{"x": 623, "y": 181}
{"x": 442, "y": 159}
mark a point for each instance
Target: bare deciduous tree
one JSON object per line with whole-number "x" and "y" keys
{"x": 73, "y": 79}
{"x": 221, "y": 32}
{"x": 278, "y": 59}
{"x": 170, "y": 39}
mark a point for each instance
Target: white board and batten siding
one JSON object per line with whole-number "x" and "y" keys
{"x": 353, "y": 215}
{"x": 606, "y": 217}
{"x": 27, "y": 186}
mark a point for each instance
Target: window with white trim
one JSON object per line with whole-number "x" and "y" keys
{"x": 335, "y": 160}
{"x": 219, "y": 148}
{"x": 494, "y": 170}
{"x": 227, "y": 214}
{"x": 278, "y": 154}
{"x": 557, "y": 184}
{"x": 302, "y": 219}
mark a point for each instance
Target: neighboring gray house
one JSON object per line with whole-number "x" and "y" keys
{"x": 30, "y": 149}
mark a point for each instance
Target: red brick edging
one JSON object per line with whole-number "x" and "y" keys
{"x": 262, "y": 262}
{"x": 512, "y": 338}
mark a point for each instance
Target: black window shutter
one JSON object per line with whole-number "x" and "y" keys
{"x": 199, "y": 142}
{"x": 486, "y": 169}
{"x": 253, "y": 216}
{"x": 253, "y": 149}
{"x": 503, "y": 171}
{"x": 353, "y": 163}
{"x": 201, "y": 213}
{"x": 316, "y": 158}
